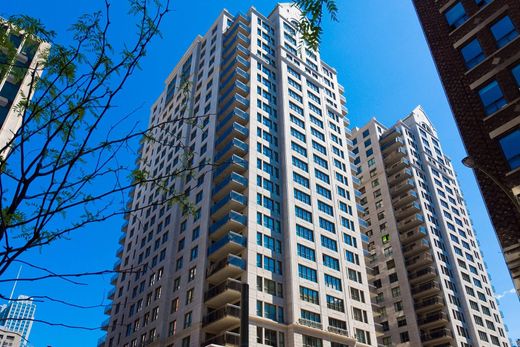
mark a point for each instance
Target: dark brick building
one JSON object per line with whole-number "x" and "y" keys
{"x": 476, "y": 47}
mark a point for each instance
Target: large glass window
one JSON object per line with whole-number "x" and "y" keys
{"x": 504, "y": 31}
{"x": 456, "y": 15}
{"x": 516, "y": 74}
{"x": 472, "y": 53}
{"x": 510, "y": 144}
{"x": 492, "y": 97}
{"x": 482, "y": 2}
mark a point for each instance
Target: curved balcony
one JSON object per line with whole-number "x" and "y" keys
{"x": 394, "y": 156}
{"x": 436, "y": 337}
{"x": 422, "y": 275}
{"x": 234, "y": 182}
{"x": 403, "y": 199}
{"x": 234, "y": 164}
{"x": 236, "y": 88}
{"x": 397, "y": 166}
{"x": 392, "y": 145}
{"x": 429, "y": 304}
{"x": 227, "y": 291}
{"x": 235, "y": 115}
{"x": 105, "y": 324}
{"x": 122, "y": 239}
{"x": 224, "y": 318}
{"x": 119, "y": 252}
{"x": 402, "y": 187}
{"x": 236, "y": 146}
{"x": 413, "y": 235}
{"x": 416, "y": 247}
{"x": 425, "y": 289}
{"x": 355, "y": 180}
{"x": 390, "y": 135}
{"x": 234, "y": 131}
{"x": 117, "y": 265}
{"x": 108, "y": 309}
{"x": 407, "y": 210}
{"x": 237, "y": 26}
{"x": 433, "y": 320}
{"x": 234, "y": 101}
{"x": 233, "y": 221}
{"x": 111, "y": 294}
{"x": 237, "y": 51}
{"x": 230, "y": 243}
{"x": 113, "y": 279}
{"x": 229, "y": 267}
{"x": 228, "y": 65}
{"x": 410, "y": 222}
{"x": 225, "y": 339}
{"x": 400, "y": 176}
{"x": 418, "y": 261}
{"x": 234, "y": 40}
{"x": 363, "y": 224}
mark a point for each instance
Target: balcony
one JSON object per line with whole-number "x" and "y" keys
{"x": 234, "y": 131}
{"x": 404, "y": 199}
{"x": 108, "y": 309}
{"x": 122, "y": 239}
{"x": 363, "y": 224}
{"x": 229, "y": 267}
{"x": 233, "y": 40}
{"x": 400, "y": 176}
{"x": 226, "y": 339}
{"x": 111, "y": 294}
{"x": 433, "y": 303}
{"x": 235, "y": 101}
{"x": 416, "y": 248}
{"x": 426, "y": 289}
{"x": 235, "y": 115}
{"x": 237, "y": 26}
{"x": 233, "y": 200}
{"x": 361, "y": 209}
{"x": 233, "y": 221}
{"x": 422, "y": 275}
{"x": 355, "y": 180}
{"x": 236, "y": 146}
{"x": 336, "y": 330}
{"x": 228, "y": 291}
{"x": 310, "y": 323}
{"x": 119, "y": 252}
{"x": 394, "y": 155}
{"x": 402, "y": 187}
{"x": 234, "y": 181}
{"x": 397, "y": 166}
{"x": 436, "y": 337}
{"x": 117, "y": 265}
{"x": 234, "y": 164}
{"x": 113, "y": 279}
{"x": 390, "y": 135}
{"x": 410, "y": 222}
{"x": 105, "y": 324}
{"x": 391, "y": 145}
{"x": 433, "y": 320}
{"x": 413, "y": 235}
{"x": 239, "y": 50}
{"x": 407, "y": 210}
{"x": 101, "y": 341}
{"x": 418, "y": 261}
{"x": 230, "y": 243}
{"x": 224, "y": 318}
{"x": 236, "y": 88}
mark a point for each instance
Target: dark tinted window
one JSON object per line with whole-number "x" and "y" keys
{"x": 510, "y": 144}
{"x": 472, "y": 53}
{"x": 456, "y": 15}
{"x": 492, "y": 97}
{"x": 504, "y": 31}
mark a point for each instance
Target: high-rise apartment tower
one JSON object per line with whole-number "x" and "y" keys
{"x": 17, "y": 317}
{"x": 14, "y": 88}
{"x": 430, "y": 284}
{"x": 476, "y": 47}
{"x": 273, "y": 253}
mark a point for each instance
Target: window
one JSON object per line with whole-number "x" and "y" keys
{"x": 304, "y": 232}
{"x": 472, "y": 53}
{"x": 504, "y": 31}
{"x": 309, "y": 295}
{"x": 332, "y": 282}
{"x": 456, "y": 15}
{"x": 306, "y": 252}
{"x": 511, "y": 149}
{"x": 492, "y": 97}
{"x": 516, "y": 74}
{"x": 307, "y": 273}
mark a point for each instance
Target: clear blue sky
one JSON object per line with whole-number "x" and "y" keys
{"x": 382, "y": 60}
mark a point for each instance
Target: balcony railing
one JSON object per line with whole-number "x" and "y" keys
{"x": 433, "y": 301}
{"x": 310, "y": 323}
{"x": 336, "y": 330}
{"x": 236, "y": 115}
{"x": 237, "y": 179}
{"x": 225, "y": 311}
{"x": 229, "y": 284}
{"x": 435, "y": 334}
{"x": 236, "y": 146}
{"x": 230, "y": 260}
{"x": 226, "y": 339}
{"x": 235, "y": 129}
{"x": 230, "y": 237}
{"x": 433, "y": 317}
{"x": 425, "y": 287}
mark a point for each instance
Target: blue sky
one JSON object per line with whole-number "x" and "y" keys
{"x": 384, "y": 64}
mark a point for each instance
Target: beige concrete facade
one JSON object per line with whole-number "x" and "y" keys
{"x": 429, "y": 283}
{"x": 275, "y": 217}
{"x": 9, "y": 339}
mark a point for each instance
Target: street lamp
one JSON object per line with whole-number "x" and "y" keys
{"x": 470, "y": 163}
